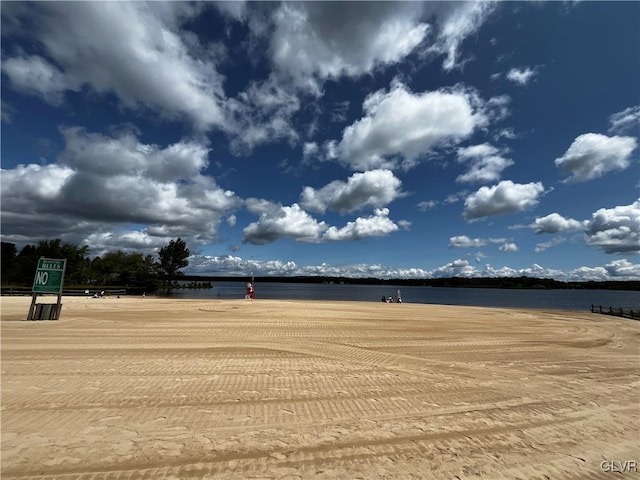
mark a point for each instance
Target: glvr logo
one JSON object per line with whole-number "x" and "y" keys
{"x": 619, "y": 466}
{"x": 42, "y": 278}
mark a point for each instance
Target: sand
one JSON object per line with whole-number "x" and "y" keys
{"x": 157, "y": 388}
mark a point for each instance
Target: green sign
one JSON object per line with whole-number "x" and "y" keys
{"x": 49, "y": 275}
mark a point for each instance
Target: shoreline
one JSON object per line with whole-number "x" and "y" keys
{"x": 11, "y": 306}
{"x": 568, "y": 300}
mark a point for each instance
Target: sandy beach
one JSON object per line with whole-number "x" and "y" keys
{"x": 259, "y": 389}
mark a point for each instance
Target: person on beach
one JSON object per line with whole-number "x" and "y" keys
{"x": 250, "y": 293}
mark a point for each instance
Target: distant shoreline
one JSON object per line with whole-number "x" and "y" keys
{"x": 503, "y": 283}
{"x": 450, "y": 282}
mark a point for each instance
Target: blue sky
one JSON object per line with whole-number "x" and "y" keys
{"x": 359, "y": 139}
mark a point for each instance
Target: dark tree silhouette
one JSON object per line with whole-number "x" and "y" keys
{"x": 173, "y": 257}
{"x": 8, "y": 261}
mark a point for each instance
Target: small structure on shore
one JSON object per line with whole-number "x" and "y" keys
{"x": 616, "y": 312}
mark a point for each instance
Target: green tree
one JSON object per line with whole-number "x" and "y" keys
{"x": 125, "y": 270}
{"x": 27, "y": 262}
{"x": 8, "y": 261}
{"x": 173, "y": 257}
{"x": 148, "y": 274}
{"x": 77, "y": 261}
{"x": 24, "y": 266}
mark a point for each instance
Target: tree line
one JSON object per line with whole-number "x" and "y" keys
{"x": 134, "y": 271}
{"x": 521, "y": 282}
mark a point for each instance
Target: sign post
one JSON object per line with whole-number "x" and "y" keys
{"x": 48, "y": 279}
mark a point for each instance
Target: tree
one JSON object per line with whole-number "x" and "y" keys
{"x": 148, "y": 274}
{"x": 8, "y": 261}
{"x": 77, "y": 263}
{"x": 21, "y": 268}
{"x": 27, "y": 262}
{"x": 132, "y": 270}
{"x": 173, "y": 257}
{"x": 76, "y": 256}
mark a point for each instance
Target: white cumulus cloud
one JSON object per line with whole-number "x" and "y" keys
{"x": 615, "y": 230}
{"x": 457, "y": 268}
{"x": 99, "y": 51}
{"x": 233, "y": 265}
{"x": 555, "y": 223}
{"x": 485, "y": 164}
{"x": 102, "y": 182}
{"x": 277, "y": 221}
{"x": 315, "y": 41}
{"x": 521, "y": 76}
{"x": 375, "y": 188}
{"x": 124, "y": 154}
{"x": 623, "y": 268}
{"x": 33, "y": 183}
{"x": 463, "y": 241}
{"x": 400, "y": 126}
{"x": 128, "y": 241}
{"x": 591, "y": 155}
{"x": 376, "y": 225}
{"x": 508, "y": 247}
{"x": 504, "y": 198}
{"x": 35, "y": 75}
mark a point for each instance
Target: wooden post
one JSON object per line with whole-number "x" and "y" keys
{"x": 32, "y": 308}
{"x": 58, "y": 307}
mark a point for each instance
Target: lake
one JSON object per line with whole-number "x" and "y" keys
{"x": 482, "y": 297}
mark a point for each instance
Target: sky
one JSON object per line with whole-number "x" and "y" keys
{"x": 364, "y": 139}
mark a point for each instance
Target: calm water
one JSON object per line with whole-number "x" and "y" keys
{"x": 483, "y": 297}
